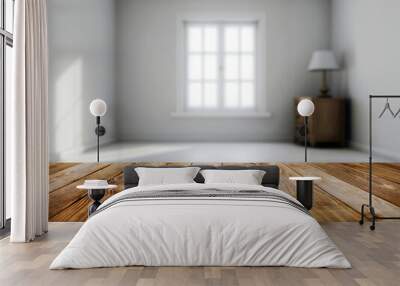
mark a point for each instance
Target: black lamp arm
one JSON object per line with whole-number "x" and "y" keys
{"x": 100, "y": 131}
{"x": 305, "y": 138}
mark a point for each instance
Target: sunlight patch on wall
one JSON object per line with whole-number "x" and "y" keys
{"x": 66, "y": 109}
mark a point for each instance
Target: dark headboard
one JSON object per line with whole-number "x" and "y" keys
{"x": 271, "y": 177}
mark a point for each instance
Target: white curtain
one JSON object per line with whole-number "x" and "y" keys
{"x": 27, "y": 151}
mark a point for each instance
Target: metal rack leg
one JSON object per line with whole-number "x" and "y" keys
{"x": 372, "y": 210}
{"x": 373, "y": 215}
{"x": 362, "y": 214}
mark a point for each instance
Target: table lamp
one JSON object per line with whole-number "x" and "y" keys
{"x": 323, "y": 61}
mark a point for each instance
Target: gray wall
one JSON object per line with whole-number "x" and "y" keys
{"x": 81, "y": 68}
{"x": 146, "y": 67}
{"x": 365, "y": 35}
{"x": 124, "y": 51}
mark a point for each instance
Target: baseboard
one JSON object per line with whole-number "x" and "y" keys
{"x": 55, "y": 157}
{"x": 93, "y": 146}
{"x": 202, "y": 138}
{"x": 387, "y": 155}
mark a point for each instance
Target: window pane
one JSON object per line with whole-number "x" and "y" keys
{"x": 231, "y": 67}
{"x": 231, "y": 98}
{"x": 8, "y": 89}
{"x": 9, "y": 11}
{"x": 210, "y": 39}
{"x": 247, "y": 95}
{"x": 232, "y": 39}
{"x": 194, "y": 98}
{"x": 247, "y": 67}
{"x": 247, "y": 39}
{"x": 195, "y": 39}
{"x": 3, "y": 140}
{"x": 210, "y": 95}
{"x": 210, "y": 67}
{"x": 194, "y": 67}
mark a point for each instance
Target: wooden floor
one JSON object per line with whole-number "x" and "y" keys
{"x": 375, "y": 258}
{"x": 338, "y": 196}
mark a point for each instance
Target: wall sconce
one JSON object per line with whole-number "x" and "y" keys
{"x": 98, "y": 108}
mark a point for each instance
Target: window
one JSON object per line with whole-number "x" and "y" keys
{"x": 6, "y": 43}
{"x": 221, "y": 66}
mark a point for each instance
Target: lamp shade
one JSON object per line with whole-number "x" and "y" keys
{"x": 305, "y": 107}
{"x": 323, "y": 60}
{"x": 98, "y": 107}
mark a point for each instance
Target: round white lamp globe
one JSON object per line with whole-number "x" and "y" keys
{"x": 305, "y": 108}
{"x": 98, "y": 107}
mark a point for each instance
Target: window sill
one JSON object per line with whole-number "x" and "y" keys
{"x": 207, "y": 115}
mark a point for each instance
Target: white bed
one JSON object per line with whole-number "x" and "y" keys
{"x": 200, "y": 231}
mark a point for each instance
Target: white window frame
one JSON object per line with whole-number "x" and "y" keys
{"x": 260, "y": 109}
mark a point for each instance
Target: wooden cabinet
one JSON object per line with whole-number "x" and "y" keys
{"x": 327, "y": 126}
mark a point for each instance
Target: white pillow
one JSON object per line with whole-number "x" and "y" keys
{"x": 166, "y": 176}
{"x": 248, "y": 177}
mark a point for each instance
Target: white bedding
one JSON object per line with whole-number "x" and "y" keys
{"x": 202, "y": 232}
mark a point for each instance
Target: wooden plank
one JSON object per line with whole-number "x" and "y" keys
{"x": 382, "y": 170}
{"x": 70, "y": 204}
{"x": 76, "y": 212}
{"x": 326, "y": 207}
{"x": 382, "y": 188}
{"x": 347, "y": 193}
{"x": 57, "y": 167}
{"x": 74, "y": 173}
{"x": 61, "y": 199}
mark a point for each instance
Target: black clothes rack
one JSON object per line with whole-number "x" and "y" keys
{"x": 369, "y": 205}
